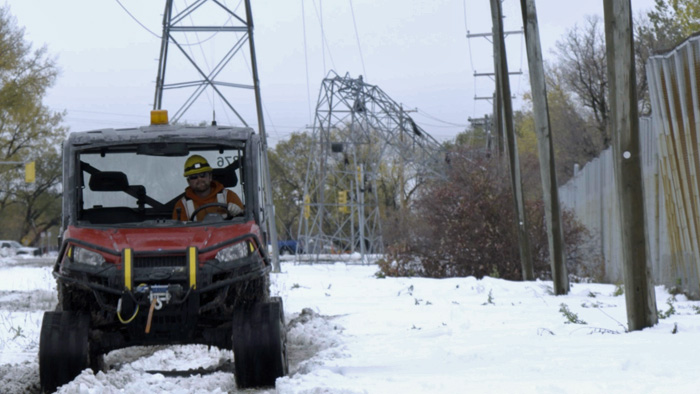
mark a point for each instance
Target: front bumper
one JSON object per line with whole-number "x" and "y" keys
{"x": 195, "y": 293}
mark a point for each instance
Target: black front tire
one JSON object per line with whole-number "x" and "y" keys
{"x": 64, "y": 348}
{"x": 260, "y": 344}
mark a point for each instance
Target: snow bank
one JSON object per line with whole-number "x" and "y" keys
{"x": 351, "y": 332}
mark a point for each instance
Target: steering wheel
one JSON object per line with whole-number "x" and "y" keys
{"x": 212, "y": 204}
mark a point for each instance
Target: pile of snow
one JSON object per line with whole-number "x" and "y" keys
{"x": 351, "y": 332}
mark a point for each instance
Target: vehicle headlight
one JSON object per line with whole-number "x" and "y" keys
{"x": 233, "y": 252}
{"x": 88, "y": 257}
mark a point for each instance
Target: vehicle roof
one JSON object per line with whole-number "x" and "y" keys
{"x": 158, "y": 133}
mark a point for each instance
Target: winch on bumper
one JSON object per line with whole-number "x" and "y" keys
{"x": 162, "y": 297}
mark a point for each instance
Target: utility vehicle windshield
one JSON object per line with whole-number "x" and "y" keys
{"x": 124, "y": 186}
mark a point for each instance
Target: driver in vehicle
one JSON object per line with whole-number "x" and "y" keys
{"x": 203, "y": 190}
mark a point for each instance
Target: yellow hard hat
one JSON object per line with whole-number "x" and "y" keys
{"x": 196, "y": 164}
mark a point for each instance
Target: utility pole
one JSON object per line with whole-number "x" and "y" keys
{"x": 639, "y": 291}
{"x": 485, "y": 123}
{"x": 497, "y": 115}
{"x": 497, "y": 110}
{"x": 498, "y": 123}
{"x": 550, "y": 192}
{"x": 503, "y": 84}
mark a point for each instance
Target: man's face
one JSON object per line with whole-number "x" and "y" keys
{"x": 200, "y": 183}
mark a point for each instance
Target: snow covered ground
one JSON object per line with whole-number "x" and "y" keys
{"x": 351, "y": 332}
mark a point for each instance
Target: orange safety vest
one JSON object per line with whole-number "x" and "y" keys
{"x": 190, "y": 202}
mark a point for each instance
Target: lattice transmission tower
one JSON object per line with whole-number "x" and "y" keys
{"x": 358, "y": 132}
{"x": 213, "y": 72}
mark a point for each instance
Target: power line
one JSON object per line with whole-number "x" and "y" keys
{"x": 427, "y": 115}
{"x": 69, "y": 119}
{"x": 136, "y": 20}
{"x": 228, "y": 20}
{"x": 323, "y": 36}
{"x": 522, "y": 52}
{"x": 103, "y": 113}
{"x": 201, "y": 49}
{"x": 159, "y": 37}
{"x": 269, "y": 119}
{"x": 469, "y": 42}
{"x": 324, "y": 41}
{"x": 306, "y": 62}
{"x": 460, "y": 127}
{"x": 357, "y": 36}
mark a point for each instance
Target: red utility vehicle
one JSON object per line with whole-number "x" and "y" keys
{"x": 128, "y": 274}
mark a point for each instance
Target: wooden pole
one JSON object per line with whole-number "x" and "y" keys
{"x": 550, "y": 192}
{"x": 639, "y": 292}
{"x": 503, "y": 84}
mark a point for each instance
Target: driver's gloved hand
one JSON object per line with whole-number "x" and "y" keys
{"x": 234, "y": 209}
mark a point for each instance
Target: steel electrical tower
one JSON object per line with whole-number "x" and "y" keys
{"x": 357, "y": 129}
{"x": 200, "y": 31}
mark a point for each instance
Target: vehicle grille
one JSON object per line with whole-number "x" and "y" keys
{"x": 159, "y": 261}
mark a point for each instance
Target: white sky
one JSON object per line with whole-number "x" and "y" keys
{"x": 415, "y": 51}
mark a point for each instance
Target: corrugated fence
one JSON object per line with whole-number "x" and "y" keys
{"x": 670, "y": 167}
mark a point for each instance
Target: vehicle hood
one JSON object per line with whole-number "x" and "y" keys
{"x": 159, "y": 238}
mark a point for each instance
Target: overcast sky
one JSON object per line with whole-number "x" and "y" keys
{"x": 416, "y": 51}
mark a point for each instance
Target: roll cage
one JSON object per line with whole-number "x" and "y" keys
{"x": 133, "y": 177}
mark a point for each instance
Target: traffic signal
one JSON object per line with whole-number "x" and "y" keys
{"x": 30, "y": 172}
{"x": 307, "y": 206}
{"x": 343, "y": 201}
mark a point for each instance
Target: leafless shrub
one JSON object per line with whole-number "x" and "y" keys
{"x": 465, "y": 226}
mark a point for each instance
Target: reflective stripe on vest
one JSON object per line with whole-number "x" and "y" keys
{"x": 189, "y": 208}
{"x": 189, "y": 204}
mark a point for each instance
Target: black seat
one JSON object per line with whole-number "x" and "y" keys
{"x": 227, "y": 175}
{"x": 108, "y": 181}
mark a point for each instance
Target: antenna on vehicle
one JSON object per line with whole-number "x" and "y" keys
{"x": 213, "y": 114}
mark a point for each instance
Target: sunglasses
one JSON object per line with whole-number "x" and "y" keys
{"x": 196, "y": 176}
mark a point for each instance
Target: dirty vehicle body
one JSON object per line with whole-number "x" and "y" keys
{"x": 128, "y": 274}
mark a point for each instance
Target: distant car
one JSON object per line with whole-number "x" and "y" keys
{"x": 14, "y": 248}
{"x": 289, "y": 247}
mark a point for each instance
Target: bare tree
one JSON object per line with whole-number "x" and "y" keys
{"x": 576, "y": 139}
{"x": 583, "y": 70}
